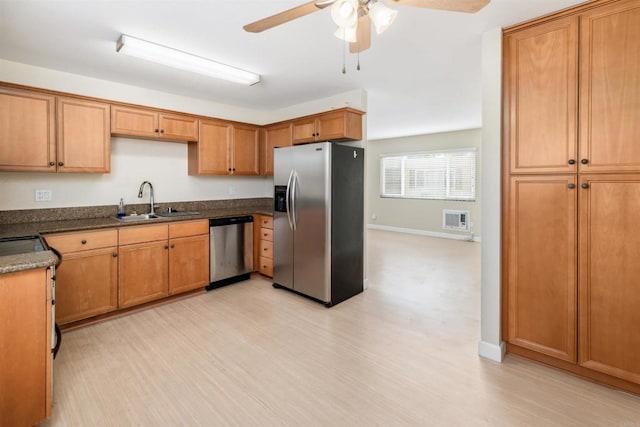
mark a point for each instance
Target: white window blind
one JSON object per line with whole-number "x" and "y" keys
{"x": 440, "y": 175}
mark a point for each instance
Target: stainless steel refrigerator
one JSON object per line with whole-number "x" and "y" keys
{"x": 318, "y": 220}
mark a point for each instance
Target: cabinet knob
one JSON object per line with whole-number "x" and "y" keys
{"x": 584, "y": 161}
{"x": 571, "y": 162}
{"x": 229, "y": 169}
{"x": 84, "y": 242}
{"x": 156, "y": 130}
{"x": 234, "y": 169}
{"x": 60, "y": 163}
{"x": 161, "y": 130}
{"x": 173, "y": 246}
{"x": 166, "y": 246}
{"x": 585, "y": 186}
{"x": 115, "y": 255}
{"x": 571, "y": 186}
{"x": 52, "y": 163}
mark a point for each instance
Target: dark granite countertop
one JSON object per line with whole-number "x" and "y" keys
{"x": 14, "y": 263}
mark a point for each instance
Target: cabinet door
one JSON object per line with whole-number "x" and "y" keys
{"x": 274, "y": 136}
{"x": 25, "y": 348}
{"x": 134, "y": 121}
{"x": 610, "y": 88}
{"x": 188, "y": 263}
{"x": 27, "y": 131}
{"x": 246, "y": 150}
{"x": 541, "y": 77}
{"x": 609, "y": 271}
{"x": 86, "y": 284}
{"x": 179, "y": 127}
{"x": 542, "y": 265}
{"x": 211, "y": 154}
{"x": 144, "y": 273}
{"x": 83, "y": 136}
{"x": 304, "y": 130}
{"x": 332, "y": 126}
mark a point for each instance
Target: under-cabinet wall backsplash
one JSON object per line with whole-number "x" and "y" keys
{"x": 132, "y": 161}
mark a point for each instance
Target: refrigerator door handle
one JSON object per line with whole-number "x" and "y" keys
{"x": 288, "y": 198}
{"x": 294, "y": 207}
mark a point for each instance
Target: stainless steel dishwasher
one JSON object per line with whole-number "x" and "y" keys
{"x": 231, "y": 250}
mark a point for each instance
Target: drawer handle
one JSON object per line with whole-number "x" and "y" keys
{"x": 84, "y": 242}
{"x": 264, "y": 249}
{"x": 265, "y": 234}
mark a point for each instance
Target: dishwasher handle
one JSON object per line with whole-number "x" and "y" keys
{"x": 220, "y": 222}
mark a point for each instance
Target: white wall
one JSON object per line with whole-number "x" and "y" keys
{"x": 420, "y": 216}
{"x": 132, "y": 160}
{"x": 491, "y": 345}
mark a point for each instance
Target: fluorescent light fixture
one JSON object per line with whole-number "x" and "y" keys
{"x": 183, "y": 61}
{"x": 382, "y": 16}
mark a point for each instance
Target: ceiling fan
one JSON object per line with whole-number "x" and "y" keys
{"x": 354, "y": 17}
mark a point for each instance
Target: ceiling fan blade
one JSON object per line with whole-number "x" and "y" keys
{"x": 286, "y": 16}
{"x": 363, "y": 35}
{"x": 468, "y": 6}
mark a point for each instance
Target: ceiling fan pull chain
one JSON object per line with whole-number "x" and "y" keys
{"x": 344, "y": 57}
{"x": 358, "y": 67}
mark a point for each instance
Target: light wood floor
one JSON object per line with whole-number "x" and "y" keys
{"x": 402, "y": 353}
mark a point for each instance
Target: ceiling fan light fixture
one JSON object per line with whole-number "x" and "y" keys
{"x": 345, "y": 13}
{"x": 347, "y": 34}
{"x": 382, "y": 16}
{"x": 183, "y": 61}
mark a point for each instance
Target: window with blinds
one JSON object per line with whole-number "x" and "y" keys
{"x": 436, "y": 175}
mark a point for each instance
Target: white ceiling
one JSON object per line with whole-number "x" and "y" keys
{"x": 422, "y": 75}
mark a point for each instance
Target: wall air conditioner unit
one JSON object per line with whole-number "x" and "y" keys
{"x": 455, "y": 220}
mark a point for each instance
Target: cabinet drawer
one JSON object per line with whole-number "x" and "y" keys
{"x": 82, "y": 241}
{"x": 145, "y": 233}
{"x": 266, "y": 222}
{"x": 188, "y": 228}
{"x": 266, "y": 234}
{"x": 266, "y": 266}
{"x": 266, "y": 249}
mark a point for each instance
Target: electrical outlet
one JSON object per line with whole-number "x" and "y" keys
{"x": 43, "y": 195}
{"x": 232, "y": 190}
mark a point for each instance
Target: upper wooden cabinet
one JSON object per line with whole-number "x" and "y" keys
{"x": 541, "y": 78}
{"x": 341, "y": 125}
{"x": 83, "y": 136}
{"x": 148, "y": 123}
{"x": 43, "y": 133}
{"x": 610, "y": 88}
{"x": 225, "y": 148}
{"x": 279, "y": 135}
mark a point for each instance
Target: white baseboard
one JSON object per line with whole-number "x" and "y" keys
{"x": 423, "y": 232}
{"x": 492, "y": 351}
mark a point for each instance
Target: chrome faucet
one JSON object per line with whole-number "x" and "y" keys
{"x": 152, "y": 211}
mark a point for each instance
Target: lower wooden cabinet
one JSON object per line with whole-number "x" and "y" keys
{"x": 87, "y": 278}
{"x": 609, "y": 284}
{"x": 263, "y": 242}
{"x": 542, "y": 264}
{"x": 25, "y": 351}
{"x": 144, "y": 272}
{"x": 189, "y": 258}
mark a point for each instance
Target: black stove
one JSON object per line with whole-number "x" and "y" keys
{"x": 21, "y": 245}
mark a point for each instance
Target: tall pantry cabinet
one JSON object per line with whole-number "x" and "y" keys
{"x": 571, "y": 183}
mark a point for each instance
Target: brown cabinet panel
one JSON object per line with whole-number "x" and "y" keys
{"x": 84, "y": 139}
{"x": 134, "y": 122}
{"x": 246, "y": 150}
{"x": 82, "y": 240}
{"x": 143, "y": 233}
{"x": 610, "y": 88}
{"x": 274, "y": 136}
{"x": 86, "y": 284}
{"x": 266, "y": 221}
{"x": 25, "y": 347}
{"x": 27, "y": 131}
{"x": 542, "y": 264}
{"x": 266, "y": 234}
{"x": 304, "y": 130}
{"x": 143, "y": 270}
{"x": 211, "y": 154}
{"x": 266, "y": 266}
{"x": 609, "y": 271}
{"x": 188, "y": 263}
{"x": 541, "y": 75}
{"x": 339, "y": 125}
{"x": 188, "y": 228}
{"x": 178, "y": 127}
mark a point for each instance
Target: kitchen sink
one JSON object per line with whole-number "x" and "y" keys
{"x": 135, "y": 218}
